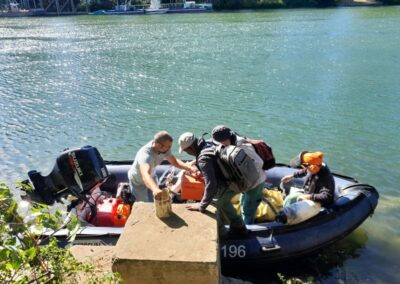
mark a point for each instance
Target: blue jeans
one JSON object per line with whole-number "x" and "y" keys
{"x": 249, "y": 202}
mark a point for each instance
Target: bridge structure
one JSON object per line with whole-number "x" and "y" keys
{"x": 51, "y": 7}
{"x": 16, "y": 8}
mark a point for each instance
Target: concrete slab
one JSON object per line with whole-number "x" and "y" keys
{"x": 180, "y": 249}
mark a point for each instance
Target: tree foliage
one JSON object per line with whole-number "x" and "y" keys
{"x": 246, "y": 4}
{"x": 23, "y": 256}
{"x": 391, "y": 2}
{"x": 268, "y": 4}
{"x": 95, "y": 5}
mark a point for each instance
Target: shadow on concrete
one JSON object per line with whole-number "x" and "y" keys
{"x": 210, "y": 214}
{"x": 174, "y": 221}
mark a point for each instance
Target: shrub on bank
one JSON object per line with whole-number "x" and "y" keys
{"x": 247, "y": 4}
{"x": 95, "y": 5}
{"x": 24, "y": 258}
{"x": 300, "y": 3}
{"x": 310, "y": 3}
{"x": 390, "y": 2}
{"x": 82, "y": 6}
{"x": 263, "y": 4}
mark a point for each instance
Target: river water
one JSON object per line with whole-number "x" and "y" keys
{"x": 300, "y": 79}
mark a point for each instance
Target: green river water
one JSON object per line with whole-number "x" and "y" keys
{"x": 300, "y": 79}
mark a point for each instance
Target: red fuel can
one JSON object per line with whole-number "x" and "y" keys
{"x": 111, "y": 212}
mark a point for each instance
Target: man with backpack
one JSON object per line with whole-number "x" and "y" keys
{"x": 250, "y": 199}
{"x": 216, "y": 185}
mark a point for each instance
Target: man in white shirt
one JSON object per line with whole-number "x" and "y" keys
{"x": 141, "y": 175}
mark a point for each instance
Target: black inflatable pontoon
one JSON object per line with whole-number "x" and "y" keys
{"x": 266, "y": 242}
{"x": 273, "y": 242}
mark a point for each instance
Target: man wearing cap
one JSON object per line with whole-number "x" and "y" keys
{"x": 224, "y": 135}
{"x": 319, "y": 185}
{"x": 215, "y": 183}
{"x": 141, "y": 175}
{"x": 250, "y": 199}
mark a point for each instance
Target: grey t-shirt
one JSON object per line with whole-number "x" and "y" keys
{"x": 145, "y": 155}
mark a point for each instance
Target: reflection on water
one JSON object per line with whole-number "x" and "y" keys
{"x": 327, "y": 265}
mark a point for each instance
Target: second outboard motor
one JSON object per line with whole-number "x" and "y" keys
{"x": 76, "y": 171}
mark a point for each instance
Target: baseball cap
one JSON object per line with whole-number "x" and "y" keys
{"x": 186, "y": 140}
{"x": 221, "y": 133}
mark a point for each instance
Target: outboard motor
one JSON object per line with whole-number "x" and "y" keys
{"x": 76, "y": 171}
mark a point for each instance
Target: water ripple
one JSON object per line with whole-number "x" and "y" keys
{"x": 113, "y": 81}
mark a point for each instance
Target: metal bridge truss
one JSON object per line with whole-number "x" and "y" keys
{"x": 50, "y": 6}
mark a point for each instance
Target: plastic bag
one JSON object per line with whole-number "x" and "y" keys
{"x": 300, "y": 211}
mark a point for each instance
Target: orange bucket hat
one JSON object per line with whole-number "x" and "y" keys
{"x": 313, "y": 158}
{"x": 308, "y": 158}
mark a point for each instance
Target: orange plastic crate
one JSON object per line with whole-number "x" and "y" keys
{"x": 192, "y": 188}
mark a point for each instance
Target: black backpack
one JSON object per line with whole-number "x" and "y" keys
{"x": 235, "y": 165}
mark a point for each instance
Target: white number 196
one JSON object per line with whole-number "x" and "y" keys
{"x": 233, "y": 251}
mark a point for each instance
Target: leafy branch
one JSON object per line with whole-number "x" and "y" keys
{"x": 27, "y": 257}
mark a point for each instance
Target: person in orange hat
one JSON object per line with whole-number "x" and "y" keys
{"x": 319, "y": 185}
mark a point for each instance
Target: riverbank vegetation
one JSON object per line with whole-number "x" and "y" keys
{"x": 390, "y": 2}
{"x": 218, "y": 5}
{"x": 241, "y": 4}
{"x": 23, "y": 256}
{"x": 230, "y": 4}
{"x": 270, "y": 4}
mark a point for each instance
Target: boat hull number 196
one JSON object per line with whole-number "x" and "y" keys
{"x": 233, "y": 251}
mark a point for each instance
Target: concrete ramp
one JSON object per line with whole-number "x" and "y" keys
{"x": 180, "y": 249}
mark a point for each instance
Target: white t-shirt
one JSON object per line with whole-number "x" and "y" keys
{"x": 146, "y": 155}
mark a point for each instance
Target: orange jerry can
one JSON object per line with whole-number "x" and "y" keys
{"x": 192, "y": 188}
{"x": 122, "y": 214}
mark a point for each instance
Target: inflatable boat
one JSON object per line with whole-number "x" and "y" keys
{"x": 265, "y": 242}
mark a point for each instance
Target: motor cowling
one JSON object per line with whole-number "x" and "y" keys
{"x": 76, "y": 171}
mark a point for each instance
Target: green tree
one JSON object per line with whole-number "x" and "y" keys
{"x": 391, "y": 2}
{"x": 269, "y": 4}
{"x": 95, "y": 5}
{"x": 23, "y": 256}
